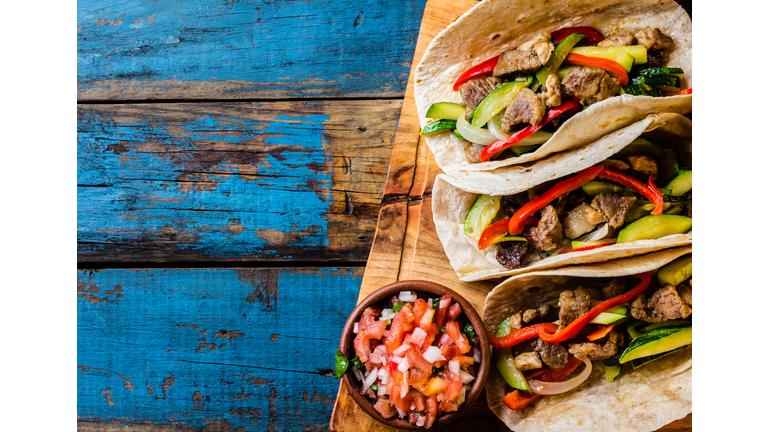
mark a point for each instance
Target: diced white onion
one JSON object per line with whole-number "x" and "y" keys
{"x": 494, "y": 126}
{"x": 462, "y": 395}
{"x": 354, "y": 328}
{"x": 407, "y": 296}
{"x": 400, "y": 413}
{"x": 358, "y": 374}
{"x": 474, "y": 134}
{"x": 404, "y": 388}
{"x": 370, "y": 379}
{"x": 444, "y": 302}
{"x": 384, "y": 376}
{"x": 454, "y": 366}
{"x": 433, "y": 354}
{"x": 366, "y": 373}
{"x": 403, "y": 366}
{"x": 421, "y": 420}
{"x": 396, "y": 359}
{"x": 376, "y": 358}
{"x": 429, "y": 303}
{"x": 465, "y": 378}
{"x": 476, "y": 354}
{"x": 550, "y": 388}
{"x": 401, "y": 349}
{"x": 597, "y": 234}
{"x": 382, "y": 390}
{"x": 440, "y": 397}
{"x": 418, "y": 336}
{"x": 387, "y": 314}
{"x": 446, "y": 340}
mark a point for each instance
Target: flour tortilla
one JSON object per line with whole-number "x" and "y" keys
{"x": 450, "y": 204}
{"x": 493, "y": 26}
{"x": 640, "y": 400}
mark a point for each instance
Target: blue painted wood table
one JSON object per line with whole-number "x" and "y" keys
{"x": 232, "y": 167}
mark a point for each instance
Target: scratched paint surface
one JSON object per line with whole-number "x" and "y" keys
{"x": 191, "y": 346}
{"x": 313, "y": 48}
{"x": 246, "y": 181}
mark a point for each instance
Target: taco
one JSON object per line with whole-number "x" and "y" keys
{"x": 613, "y": 198}
{"x": 594, "y": 347}
{"x": 509, "y": 81}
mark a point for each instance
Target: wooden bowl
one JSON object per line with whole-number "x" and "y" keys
{"x": 421, "y": 288}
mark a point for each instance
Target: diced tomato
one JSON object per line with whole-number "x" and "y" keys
{"x": 412, "y": 417}
{"x": 432, "y": 411}
{"x": 448, "y": 406}
{"x": 368, "y": 328}
{"x": 453, "y": 391}
{"x": 455, "y": 333}
{"x": 384, "y": 408}
{"x": 465, "y": 360}
{"x": 454, "y": 311}
{"x": 400, "y": 324}
{"x": 426, "y": 319}
{"x": 418, "y": 310}
{"x": 419, "y": 400}
{"x": 417, "y": 337}
{"x": 420, "y": 370}
{"x": 449, "y": 351}
{"x": 432, "y": 332}
{"x": 442, "y": 310}
{"x": 434, "y": 386}
{"x": 403, "y": 403}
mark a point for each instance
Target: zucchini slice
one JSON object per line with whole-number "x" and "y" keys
{"x": 656, "y": 342}
{"x": 446, "y": 111}
{"x": 682, "y": 183}
{"x": 660, "y": 71}
{"x": 480, "y": 215}
{"x": 438, "y": 126}
{"x": 505, "y": 364}
{"x": 636, "y": 363}
{"x": 676, "y": 272}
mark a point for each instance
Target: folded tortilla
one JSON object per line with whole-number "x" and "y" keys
{"x": 640, "y": 400}
{"x": 454, "y": 193}
{"x": 493, "y": 26}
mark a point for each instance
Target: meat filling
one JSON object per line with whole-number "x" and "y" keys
{"x": 596, "y": 352}
{"x": 591, "y": 84}
{"x": 551, "y": 96}
{"x": 527, "y": 361}
{"x": 581, "y": 220}
{"x": 643, "y": 164}
{"x": 616, "y": 164}
{"x": 510, "y": 254}
{"x": 614, "y": 206}
{"x": 475, "y": 90}
{"x": 553, "y": 355}
{"x": 653, "y": 39}
{"x": 616, "y": 287}
{"x": 472, "y": 151}
{"x": 542, "y": 312}
{"x": 686, "y": 294}
{"x": 548, "y": 234}
{"x": 524, "y": 108}
{"x": 617, "y": 41}
{"x": 573, "y": 304}
{"x": 525, "y": 60}
{"x": 665, "y": 304}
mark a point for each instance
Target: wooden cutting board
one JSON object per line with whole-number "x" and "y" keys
{"x": 406, "y": 245}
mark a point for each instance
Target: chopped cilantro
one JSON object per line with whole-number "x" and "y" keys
{"x": 358, "y": 363}
{"x": 443, "y": 330}
{"x": 470, "y": 331}
{"x": 374, "y": 387}
{"x": 397, "y": 307}
{"x": 341, "y": 364}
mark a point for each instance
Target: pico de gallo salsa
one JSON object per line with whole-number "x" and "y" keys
{"x": 415, "y": 358}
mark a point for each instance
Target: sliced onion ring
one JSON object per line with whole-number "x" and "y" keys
{"x": 474, "y": 134}
{"x": 494, "y": 126}
{"x": 596, "y": 235}
{"x": 550, "y": 388}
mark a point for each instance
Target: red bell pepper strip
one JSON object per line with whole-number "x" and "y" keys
{"x": 597, "y": 334}
{"x": 609, "y": 65}
{"x": 499, "y": 146}
{"x": 594, "y": 36}
{"x": 560, "y": 189}
{"x": 652, "y": 186}
{"x": 579, "y": 323}
{"x": 518, "y": 400}
{"x": 521, "y": 335}
{"x": 496, "y": 231}
{"x": 561, "y": 374}
{"x": 483, "y": 68}
{"x": 686, "y": 91}
{"x": 586, "y": 248}
{"x": 536, "y": 373}
{"x": 619, "y": 177}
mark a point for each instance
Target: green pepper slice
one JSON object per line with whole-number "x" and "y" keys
{"x": 480, "y": 215}
{"x": 558, "y": 55}
{"x": 505, "y": 364}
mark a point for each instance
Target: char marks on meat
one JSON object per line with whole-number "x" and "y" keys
{"x": 512, "y": 203}
{"x": 596, "y": 352}
{"x": 617, "y": 41}
{"x": 510, "y": 254}
{"x": 527, "y": 361}
{"x": 573, "y": 304}
{"x": 553, "y": 355}
{"x": 616, "y": 287}
{"x": 551, "y": 96}
{"x": 591, "y": 84}
{"x": 548, "y": 234}
{"x": 614, "y": 206}
{"x": 665, "y": 304}
{"x": 524, "y": 108}
{"x": 526, "y": 59}
{"x": 644, "y": 164}
{"x": 653, "y": 39}
{"x": 472, "y": 151}
{"x": 656, "y": 58}
{"x": 475, "y": 90}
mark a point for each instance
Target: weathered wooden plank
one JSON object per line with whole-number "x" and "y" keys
{"x": 142, "y": 50}
{"x": 236, "y": 181}
{"x": 225, "y": 349}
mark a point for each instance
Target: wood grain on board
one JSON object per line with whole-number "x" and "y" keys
{"x": 255, "y": 49}
{"x": 406, "y": 245}
{"x": 274, "y": 181}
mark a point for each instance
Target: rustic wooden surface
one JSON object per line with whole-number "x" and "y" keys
{"x": 413, "y": 250}
{"x": 223, "y": 226}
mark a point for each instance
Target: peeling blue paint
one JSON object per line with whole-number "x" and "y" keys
{"x": 140, "y": 331}
{"x": 336, "y": 48}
